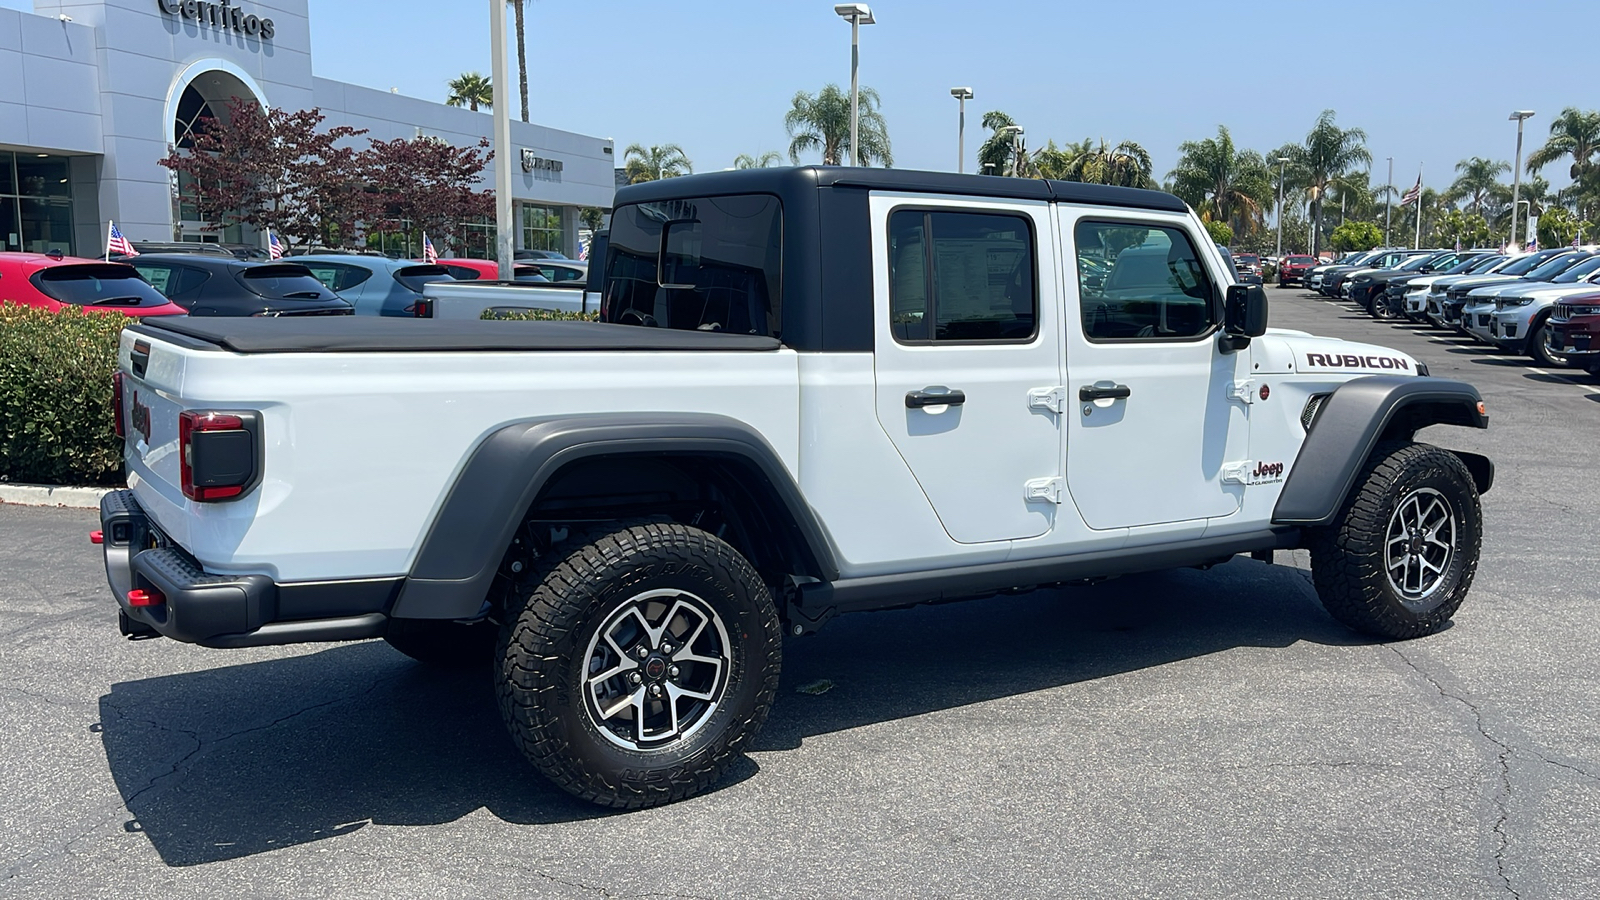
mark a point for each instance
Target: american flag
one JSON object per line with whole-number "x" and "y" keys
{"x": 274, "y": 249}
{"x": 119, "y": 244}
{"x": 429, "y": 255}
{"x": 1412, "y": 195}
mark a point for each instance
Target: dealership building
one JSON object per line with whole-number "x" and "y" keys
{"x": 96, "y": 91}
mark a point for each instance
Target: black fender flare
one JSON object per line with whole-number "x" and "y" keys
{"x": 1351, "y": 422}
{"x": 463, "y": 547}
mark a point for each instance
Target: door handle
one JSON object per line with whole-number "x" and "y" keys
{"x": 919, "y": 399}
{"x": 1103, "y": 390}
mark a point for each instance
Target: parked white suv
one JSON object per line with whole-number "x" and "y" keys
{"x": 812, "y": 391}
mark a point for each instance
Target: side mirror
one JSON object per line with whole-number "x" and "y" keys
{"x": 1244, "y": 315}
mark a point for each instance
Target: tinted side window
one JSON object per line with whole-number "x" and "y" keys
{"x": 957, "y": 276}
{"x": 710, "y": 264}
{"x": 186, "y": 279}
{"x": 1141, "y": 282}
{"x": 160, "y": 277}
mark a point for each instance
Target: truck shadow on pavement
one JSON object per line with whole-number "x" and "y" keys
{"x": 233, "y": 761}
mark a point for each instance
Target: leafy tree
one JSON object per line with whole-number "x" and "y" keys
{"x": 1476, "y": 180}
{"x": 1356, "y": 236}
{"x": 1558, "y": 226}
{"x": 428, "y": 184}
{"x": 1465, "y": 229}
{"x": 1220, "y": 232}
{"x": 592, "y": 217}
{"x": 653, "y": 163}
{"x": 821, "y": 121}
{"x": 522, "y": 52}
{"x": 1328, "y": 153}
{"x": 273, "y": 169}
{"x": 997, "y": 155}
{"x": 1223, "y": 183}
{"x": 746, "y": 161}
{"x": 471, "y": 90}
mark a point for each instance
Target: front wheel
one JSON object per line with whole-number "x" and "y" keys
{"x": 1399, "y": 559}
{"x": 1539, "y": 346}
{"x": 636, "y": 664}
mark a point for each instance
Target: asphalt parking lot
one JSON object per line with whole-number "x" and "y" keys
{"x": 1176, "y": 735}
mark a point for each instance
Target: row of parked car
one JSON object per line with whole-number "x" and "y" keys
{"x": 1545, "y": 304}
{"x": 204, "y": 282}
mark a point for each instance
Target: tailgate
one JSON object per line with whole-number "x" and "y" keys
{"x": 152, "y": 375}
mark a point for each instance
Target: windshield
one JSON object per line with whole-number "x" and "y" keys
{"x": 1415, "y": 263}
{"x": 1475, "y": 264}
{"x": 283, "y": 282}
{"x": 1555, "y": 267}
{"x": 99, "y": 284}
{"x": 1301, "y": 260}
{"x": 1578, "y": 272}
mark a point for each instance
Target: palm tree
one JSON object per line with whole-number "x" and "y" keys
{"x": 822, "y": 122}
{"x": 1127, "y": 164}
{"x": 746, "y": 161}
{"x": 471, "y": 90}
{"x": 998, "y": 154}
{"x": 653, "y": 163}
{"x": 1222, "y": 183}
{"x": 1477, "y": 180}
{"x": 1328, "y": 152}
{"x": 1575, "y": 134}
{"x": 522, "y": 54}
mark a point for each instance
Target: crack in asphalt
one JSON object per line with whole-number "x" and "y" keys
{"x": 1502, "y": 796}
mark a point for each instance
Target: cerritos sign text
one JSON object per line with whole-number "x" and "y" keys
{"x": 219, "y": 15}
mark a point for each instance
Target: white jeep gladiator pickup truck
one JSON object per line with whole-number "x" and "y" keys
{"x": 812, "y": 391}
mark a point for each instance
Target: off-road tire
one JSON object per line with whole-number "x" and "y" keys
{"x": 1348, "y": 556}
{"x": 551, "y": 630}
{"x": 440, "y": 642}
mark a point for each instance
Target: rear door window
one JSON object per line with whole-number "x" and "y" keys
{"x": 463, "y": 273}
{"x": 961, "y": 276}
{"x": 412, "y": 278}
{"x": 707, "y": 264}
{"x": 98, "y": 284}
{"x": 338, "y": 276}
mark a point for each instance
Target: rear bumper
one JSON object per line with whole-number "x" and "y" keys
{"x": 229, "y": 610}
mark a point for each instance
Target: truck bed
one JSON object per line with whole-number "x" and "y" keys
{"x": 364, "y": 334}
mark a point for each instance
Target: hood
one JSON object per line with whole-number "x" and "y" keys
{"x": 1281, "y": 351}
{"x": 1499, "y": 288}
{"x": 1473, "y": 282}
{"x": 1553, "y": 292}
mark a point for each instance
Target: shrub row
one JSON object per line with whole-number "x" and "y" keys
{"x": 538, "y": 315}
{"x": 56, "y": 420}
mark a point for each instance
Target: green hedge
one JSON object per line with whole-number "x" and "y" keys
{"x": 56, "y": 424}
{"x": 539, "y": 315}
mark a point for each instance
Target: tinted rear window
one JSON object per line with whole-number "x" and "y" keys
{"x": 463, "y": 273}
{"x": 104, "y": 284}
{"x": 712, "y": 264}
{"x": 412, "y": 278}
{"x": 283, "y": 282}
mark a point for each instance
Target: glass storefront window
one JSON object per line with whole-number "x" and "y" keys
{"x": 541, "y": 227}
{"x": 35, "y": 202}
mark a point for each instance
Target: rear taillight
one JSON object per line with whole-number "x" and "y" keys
{"x": 116, "y": 403}
{"x": 422, "y": 309}
{"x": 218, "y": 452}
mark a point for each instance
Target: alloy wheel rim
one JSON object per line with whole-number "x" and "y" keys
{"x": 656, "y": 670}
{"x": 1419, "y": 546}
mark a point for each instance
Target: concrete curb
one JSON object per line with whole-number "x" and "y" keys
{"x": 52, "y": 495}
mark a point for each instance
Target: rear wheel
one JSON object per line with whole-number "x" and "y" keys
{"x": 636, "y": 664}
{"x": 1399, "y": 559}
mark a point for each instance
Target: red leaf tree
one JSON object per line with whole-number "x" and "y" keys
{"x": 428, "y": 184}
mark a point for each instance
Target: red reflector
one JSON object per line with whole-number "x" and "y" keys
{"x": 214, "y": 422}
{"x": 97, "y": 537}
{"x": 140, "y": 597}
{"x": 217, "y": 493}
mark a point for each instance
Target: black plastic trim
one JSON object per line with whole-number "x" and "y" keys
{"x": 346, "y": 628}
{"x": 820, "y": 600}
{"x": 466, "y": 541}
{"x": 1349, "y": 425}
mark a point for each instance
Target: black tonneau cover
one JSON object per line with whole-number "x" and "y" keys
{"x": 363, "y": 334}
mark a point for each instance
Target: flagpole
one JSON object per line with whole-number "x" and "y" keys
{"x": 1418, "y": 245}
{"x": 110, "y": 224}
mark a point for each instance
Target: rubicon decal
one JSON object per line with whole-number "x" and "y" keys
{"x": 1331, "y": 361}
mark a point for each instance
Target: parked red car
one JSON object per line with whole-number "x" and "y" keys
{"x": 1292, "y": 269}
{"x": 474, "y": 269}
{"x": 1574, "y": 330}
{"x": 54, "y": 282}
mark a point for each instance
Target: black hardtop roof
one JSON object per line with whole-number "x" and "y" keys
{"x": 788, "y": 180}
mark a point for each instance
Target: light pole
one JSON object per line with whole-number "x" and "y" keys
{"x": 1519, "y": 117}
{"x": 1018, "y": 148}
{"x": 1282, "y": 161}
{"x": 857, "y": 14}
{"x": 1388, "y": 198}
{"x": 962, "y": 95}
{"x": 504, "y": 229}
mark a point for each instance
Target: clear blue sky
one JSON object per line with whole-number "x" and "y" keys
{"x": 1430, "y": 82}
